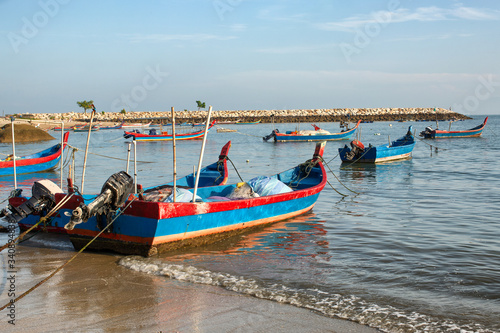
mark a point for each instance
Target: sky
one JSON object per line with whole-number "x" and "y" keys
{"x": 249, "y": 55}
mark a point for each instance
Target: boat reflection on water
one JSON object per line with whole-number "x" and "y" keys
{"x": 25, "y": 181}
{"x": 359, "y": 173}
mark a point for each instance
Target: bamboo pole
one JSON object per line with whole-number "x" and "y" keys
{"x": 135, "y": 167}
{"x": 207, "y": 124}
{"x": 128, "y": 156}
{"x": 174, "y": 152}
{"x": 87, "y": 147}
{"x": 14, "y": 152}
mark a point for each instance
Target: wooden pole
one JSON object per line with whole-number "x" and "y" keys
{"x": 14, "y": 152}
{"x": 175, "y": 156}
{"x": 87, "y": 147}
{"x": 128, "y": 155}
{"x": 62, "y": 152}
{"x": 135, "y": 167}
{"x": 207, "y": 124}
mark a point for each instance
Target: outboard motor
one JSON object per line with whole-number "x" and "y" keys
{"x": 428, "y": 130}
{"x": 357, "y": 148}
{"x": 272, "y": 135}
{"x": 43, "y": 197}
{"x": 114, "y": 193}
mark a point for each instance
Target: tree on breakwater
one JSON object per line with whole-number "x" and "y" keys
{"x": 200, "y": 105}
{"x": 85, "y": 105}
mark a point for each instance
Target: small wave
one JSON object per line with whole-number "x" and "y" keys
{"x": 349, "y": 307}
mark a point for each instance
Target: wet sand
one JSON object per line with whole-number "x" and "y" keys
{"x": 95, "y": 294}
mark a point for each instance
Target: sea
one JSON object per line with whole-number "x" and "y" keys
{"x": 405, "y": 246}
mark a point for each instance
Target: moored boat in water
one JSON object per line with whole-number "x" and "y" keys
{"x": 46, "y": 195}
{"x": 153, "y": 135}
{"x": 148, "y": 226}
{"x": 396, "y": 150}
{"x": 430, "y": 133}
{"x": 317, "y": 135}
{"x": 40, "y": 161}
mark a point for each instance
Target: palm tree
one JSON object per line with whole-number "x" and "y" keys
{"x": 85, "y": 105}
{"x": 200, "y": 105}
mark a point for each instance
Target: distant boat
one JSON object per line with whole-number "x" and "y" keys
{"x": 86, "y": 128}
{"x": 112, "y": 127}
{"x": 135, "y": 125}
{"x": 317, "y": 135}
{"x": 430, "y": 133}
{"x": 164, "y": 136}
{"x": 41, "y": 161}
{"x": 248, "y": 123}
{"x": 396, "y": 150}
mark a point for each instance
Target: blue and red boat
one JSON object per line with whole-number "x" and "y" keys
{"x": 137, "y": 225}
{"x": 211, "y": 175}
{"x": 397, "y": 150}
{"x": 44, "y": 160}
{"x": 164, "y": 136}
{"x": 430, "y": 133}
{"x": 317, "y": 135}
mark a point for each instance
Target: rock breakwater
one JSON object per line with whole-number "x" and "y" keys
{"x": 266, "y": 116}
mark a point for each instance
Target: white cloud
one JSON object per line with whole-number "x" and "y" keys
{"x": 138, "y": 38}
{"x": 422, "y": 14}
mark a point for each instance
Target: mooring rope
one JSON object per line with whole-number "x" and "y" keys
{"x": 338, "y": 179}
{"x": 235, "y": 168}
{"x": 42, "y": 219}
{"x": 67, "y": 262}
{"x": 114, "y": 158}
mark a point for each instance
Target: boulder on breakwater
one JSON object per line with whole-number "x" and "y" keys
{"x": 267, "y": 116}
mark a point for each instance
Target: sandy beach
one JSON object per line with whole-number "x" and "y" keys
{"x": 95, "y": 294}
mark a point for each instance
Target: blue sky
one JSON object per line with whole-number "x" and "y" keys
{"x": 249, "y": 54}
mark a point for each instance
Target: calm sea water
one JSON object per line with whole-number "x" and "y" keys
{"x": 406, "y": 246}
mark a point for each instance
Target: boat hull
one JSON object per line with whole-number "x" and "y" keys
{"x": 282, "y": 137}
{"x": 398, "y": 150}
{"x": 149, "y": 236}
{"x": 150, "y": 227}
{"x": 441, "y": 134}
{"x": 41, "y": 161}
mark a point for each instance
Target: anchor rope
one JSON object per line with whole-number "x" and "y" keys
{"x": 115, "y": 158}
{"x": 42, "y": 220}
{"x": 67, "y": 262}
{"x": 235, "y": 168}
{"x": 341, "y": 183}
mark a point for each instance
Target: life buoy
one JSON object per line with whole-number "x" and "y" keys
{"x": 358, "y": 144}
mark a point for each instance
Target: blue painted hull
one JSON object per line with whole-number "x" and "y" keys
{"x": 441, "y": 134}
{"x": 398, "y": 150}
{"x": 280, "y": 137}
{"x": 147, "y": 228}
{"x": 45, "y": 160}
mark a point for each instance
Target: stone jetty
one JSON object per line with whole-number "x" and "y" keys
{"x": 265, "y": 116}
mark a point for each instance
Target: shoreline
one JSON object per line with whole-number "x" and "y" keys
{"x": 264, "y": 116}
{"x": 115, "y": 298}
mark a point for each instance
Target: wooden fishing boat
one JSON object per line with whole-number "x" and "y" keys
{"x": 316, "y": 135}
{"x": 248, "y": 123}
{"x": 396, "y": 150}
{"x": 430, "y": 133}
{"x": 211, "y": 175}
{"x": 41, "y": 161}
{"x": 86, "y": 128}
{"x": 164, "y": 136}
{"x": 135, "y": 125}
{"x": 112, "y": 127}
{"x": 147, "y": 227}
